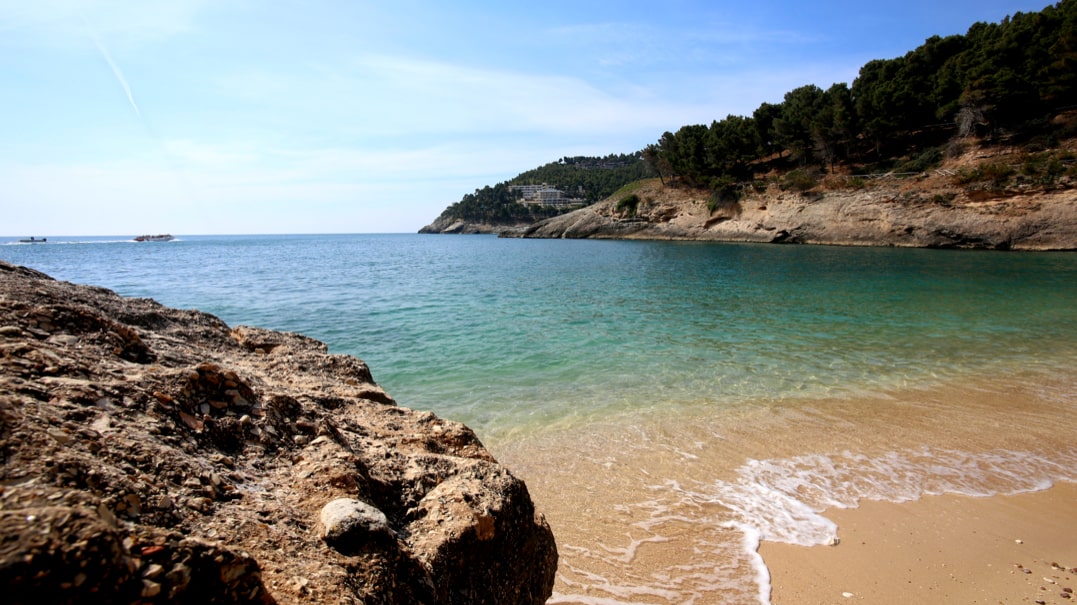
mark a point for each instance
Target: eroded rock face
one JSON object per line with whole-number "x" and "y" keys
{"x": 884, "y": 215}
{"x": 151, "y": 455}
{"x": 459, "y": 226}
{"x": 948, "y": 206}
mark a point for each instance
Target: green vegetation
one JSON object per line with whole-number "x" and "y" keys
{"x": 628, "y": 205}
{"x": 587, "y": 179}
{"x": 497, "y": 205}
{"x": 1000, "y": 80}
{"x": 928, "y": 159}
{"x": 995, "y": 174}
{"x": 631, "y": 188}
{"x": 799, "y": 180}
{"x": 943, "y": 199}
{"x": 1043, "y": 169}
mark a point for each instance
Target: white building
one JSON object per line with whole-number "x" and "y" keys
{"x": 540, "y": 194}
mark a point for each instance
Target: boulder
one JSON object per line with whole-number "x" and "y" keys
{"x": 349, "y": 524}
{"x": 157, "y": 455}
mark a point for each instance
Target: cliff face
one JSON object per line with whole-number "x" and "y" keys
{"x": 157, "y": 455}
{"x": 941, "y": 208}
{"x": 884, "y": 214}
{"x": 460, "y": 226}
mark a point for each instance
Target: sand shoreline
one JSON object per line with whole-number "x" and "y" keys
{"x": 653, "y": 507}
{"x": 939, "y": 549}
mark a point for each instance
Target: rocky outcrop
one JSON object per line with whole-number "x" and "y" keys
{"x": 887, "y": 214}
{"x": 149, "y": 454}
{"x": 445, "y": 224}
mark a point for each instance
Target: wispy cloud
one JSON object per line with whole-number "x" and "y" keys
{"x": 253, "y": 163}
{"x": 393, "y": 96}
{"x": 639, "y": 45}
{"x": 63, "y": 22}
{"x": 115, "y": 70}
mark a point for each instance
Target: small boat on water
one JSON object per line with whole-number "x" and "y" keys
{"x": 164, "y": 237}
{"x": 34, "y": 240}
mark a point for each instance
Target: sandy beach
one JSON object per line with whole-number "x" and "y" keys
{"x": 651, "y": 511}
{"x": 939, "y": 549}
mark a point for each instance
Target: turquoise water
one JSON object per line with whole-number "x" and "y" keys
{"x": 669, "y": 404}
{"x": 508, "y": 333}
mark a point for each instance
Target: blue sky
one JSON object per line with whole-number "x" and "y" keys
{"x": 287, "y": 116}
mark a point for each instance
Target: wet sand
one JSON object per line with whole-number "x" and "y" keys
{"x": 940, "y": 549}
{"x": 663, "y": 508}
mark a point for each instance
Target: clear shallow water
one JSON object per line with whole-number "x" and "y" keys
{"x": 504, "y": 333}
{"x": 667, "y": 398}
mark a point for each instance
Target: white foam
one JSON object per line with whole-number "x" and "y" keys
{"x": 783, "y": 500}
{"x": 751, "y": 540}
{"x": 628, "y": 554}
{"x": 775, "y": 515}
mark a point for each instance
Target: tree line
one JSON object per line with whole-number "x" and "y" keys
{"x": 998, "y": 77}
{"x": 588, "y": 178}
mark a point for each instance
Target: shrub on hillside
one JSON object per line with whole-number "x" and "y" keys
{"x": 628, "y": 205}
{"x": 799, "y": 180}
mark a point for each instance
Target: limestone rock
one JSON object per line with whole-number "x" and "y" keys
{"x": 157, "y": 455}
{"x": 348, "y": 524}
{"x": 459, "y": 226}
{"x": 887, "y": 214}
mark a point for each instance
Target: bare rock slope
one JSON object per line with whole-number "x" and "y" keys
{"x": 156, "y": 455}
{"x": 889, "y": 213}
{"x": 459, "y": 226}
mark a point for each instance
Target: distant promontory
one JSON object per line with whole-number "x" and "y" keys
{"x": 966, "y": 141}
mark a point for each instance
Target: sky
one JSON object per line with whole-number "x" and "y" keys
{"x": 124, "y": 117}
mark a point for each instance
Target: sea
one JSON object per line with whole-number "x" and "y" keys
{"x": 670, "y": 405}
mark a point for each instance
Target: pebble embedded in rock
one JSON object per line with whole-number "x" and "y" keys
{"x": 150, "y": 589}
{"x": 348, "y": 522}
{"x": 59, "y": 435}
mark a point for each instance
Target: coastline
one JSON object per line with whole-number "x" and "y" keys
{"x": 155, "y": 454}
{"x": 939, "y": 549}
{"x": 927, "y": 211}
{"x": 898, "y": 214}
{"x": 723, "y": 506}
{"x": 649, "y": 506}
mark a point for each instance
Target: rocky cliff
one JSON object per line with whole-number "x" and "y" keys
{"x": 954, "y": 205}
{"x": 149, "y": 454}
{"x": 889, "y": 213}
{"x": 460, "y": 226}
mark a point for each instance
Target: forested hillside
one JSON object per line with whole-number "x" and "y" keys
{"x": 588, "y": 179}
{"x": 998, "y": 81}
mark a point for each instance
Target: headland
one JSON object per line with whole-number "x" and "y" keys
{"x": 158, "y": 455}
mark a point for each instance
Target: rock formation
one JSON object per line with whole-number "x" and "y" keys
{"x": 462, "y": 227}
{"x": 157, "y": 455}
{"x": 934, "y": 209}
{"x": 887, "y": 214}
